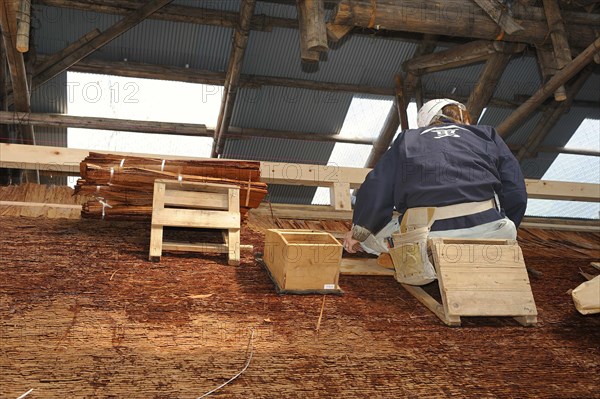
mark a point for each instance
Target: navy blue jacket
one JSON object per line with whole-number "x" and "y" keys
{"x": 443, "y": 165}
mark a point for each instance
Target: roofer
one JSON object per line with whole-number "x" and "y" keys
{"x": 466, "y": 172}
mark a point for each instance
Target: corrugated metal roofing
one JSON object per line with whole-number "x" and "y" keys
{"x": 493, "y": 116}
{"x": 51, "y": 98}
{"x": 292, "y": 109}
{"x": 151, "y": 41}
{"x": 568, "y": 124}
{"x": 277, "y": 53}
{"x": 521, "y": 77}
{"x": 458, "y": 81}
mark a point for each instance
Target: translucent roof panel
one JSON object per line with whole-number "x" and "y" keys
{"x": 141, "y": 99}
{"x": 365, "y": 118}
{"x": 573, "y": 168}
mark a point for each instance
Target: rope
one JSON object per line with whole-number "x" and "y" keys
{"x": 373, "y": 11}
{"x": 250, "y": 350}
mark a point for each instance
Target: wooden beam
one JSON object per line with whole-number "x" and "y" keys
{"x": 180, "y": 129}
{"x": 396, "y": 117}
{"x": 412, "y": 84}
{"x": 500, "y": 15}
{"x": 558, "y": 34}
{"x": 234, "y": 70}
{"x": 458, "y": 56}
{"x": 311, "y": 17}
{"x": 561, "y": 77}
{"x": 131, "y": 20}
{"x": 564, "y": 191}
{"x": 572, "y": 151}
{"x": 484, "y": 89}
{"x": 59, "y": 159}
{"x": 175, "y": 13}
{"x": 307, "y": 55}
{"x": 181, "y": 74}
{"x": 551, "y": 116}
{"x": 23, "y": 26}
{"x": 46, "y": 62}
{"x": 443, "y": 17}
{"x": 335, "y": 33}
{"x": 16, "y": 64}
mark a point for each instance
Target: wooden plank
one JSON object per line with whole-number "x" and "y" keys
{"x": 486, "y": 279}
{"x": 595, "y": 264}
{"x": 340, "y": 197}
{"x": 201, "y": 247}
{"x": 156, "y": 229}
{"x": 194, "y": 199}
{"x": 363, "y": 267}
{"x": 233, "y": 235}
{"x": 195, "y": 218}
{"x": 548, "y": 189}
{"x": 485, "y": 303}
{"x": 431, "y": 304}
{"x": 60, "y": 159}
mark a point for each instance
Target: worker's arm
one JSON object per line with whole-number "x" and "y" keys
{"x": 375, "y": 199}
{"x": 513, "y": 196}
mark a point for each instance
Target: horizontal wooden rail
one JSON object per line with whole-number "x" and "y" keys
{"x": 342, "y": 179}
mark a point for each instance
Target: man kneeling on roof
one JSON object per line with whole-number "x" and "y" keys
{"x": 464, "y": 175}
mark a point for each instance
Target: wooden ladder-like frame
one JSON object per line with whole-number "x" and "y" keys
{"x": 479, "y": 278}
{"x": 198, "y": 205}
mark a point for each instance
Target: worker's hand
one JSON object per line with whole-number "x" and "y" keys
{"x": 350, "y": 244}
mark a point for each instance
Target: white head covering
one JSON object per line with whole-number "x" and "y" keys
{"x": 433, "y": 108}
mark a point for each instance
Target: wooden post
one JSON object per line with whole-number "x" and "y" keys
{"x": 484, "y": 89}
{"x": 570, "y": 70}
{"x": 236, "y": 58}
{"x": 396, "y": 117}
{"x": 413, "y": 81}
{"x": 339, "y": 195}
{"x": 311, "y": 17}
{"x": 455, "y": 57}
{"x": 131, "y": 20}
{"x": 551, "y": 116}
{"x": 558, "y": 34}
{"x": 306, "y": 54}
{"x": 23, "y": 26}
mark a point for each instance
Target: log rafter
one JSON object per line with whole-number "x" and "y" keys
{"x": 234, "y": 70}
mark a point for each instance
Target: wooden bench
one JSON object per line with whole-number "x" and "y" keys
{"x": 196, "y": 205}
{"x": 479, "y": 278}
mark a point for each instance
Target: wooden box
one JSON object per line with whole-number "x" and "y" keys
{"x": 303, "y": 260}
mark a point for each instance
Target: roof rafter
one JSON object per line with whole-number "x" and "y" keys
{"x": 234, "y": 70}
{"x": 122, "y": 26}
{"x": 551, "y": 116}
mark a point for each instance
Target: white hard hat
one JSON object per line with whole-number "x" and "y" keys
{"x": 433, "y": 108}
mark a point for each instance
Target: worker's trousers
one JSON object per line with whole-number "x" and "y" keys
{"x": 501, "y": 229}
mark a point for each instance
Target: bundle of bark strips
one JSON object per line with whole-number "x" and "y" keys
{"x": 122, "y": 186}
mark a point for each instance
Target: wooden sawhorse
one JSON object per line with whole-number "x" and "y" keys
{"x": 198, "y": 205}
{"x": 479, "y": 278}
